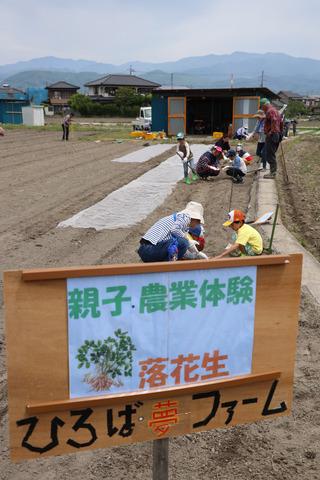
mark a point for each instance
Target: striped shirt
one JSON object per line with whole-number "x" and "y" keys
{"x": 167, "y": 227}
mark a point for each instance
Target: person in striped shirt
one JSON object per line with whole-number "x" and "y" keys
{"x": 170, "y": 231}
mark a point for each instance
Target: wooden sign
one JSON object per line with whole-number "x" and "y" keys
{"x": 60, "y": 403}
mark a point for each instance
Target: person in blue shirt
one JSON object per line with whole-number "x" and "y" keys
{"x": 238, "y": 169}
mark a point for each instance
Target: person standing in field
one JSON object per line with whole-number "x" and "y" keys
{"x": 273, "y": 127}
{"x": 66, "y": 122}
{"x": 294, "y": 127}
{"x": 259, "y": 132}
{"x": 184, "y": 152}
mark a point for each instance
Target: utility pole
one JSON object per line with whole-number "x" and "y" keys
{"x": 171, "y": 81}
{"x": 262, "y": 78}
{"x": 232, "y": 81}
{"x": 131, "y": 70}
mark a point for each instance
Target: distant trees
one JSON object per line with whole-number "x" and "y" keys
{"x": 295, "y": 108}
{"x": 81, "y": 103}
{"x": 126, "y": 104}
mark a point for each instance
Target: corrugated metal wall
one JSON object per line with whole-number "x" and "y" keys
{"x": 10, "y": 112}
{"x": 159, "y": 106}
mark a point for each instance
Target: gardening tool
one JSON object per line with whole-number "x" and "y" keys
{"x": 284, "y": 166}
{"x": 273, "y": 229}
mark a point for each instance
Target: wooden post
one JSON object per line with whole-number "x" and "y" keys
{"x": 273, "y": 229}
{"x": 160, "y": 469}
{"x": 284, "y": 166}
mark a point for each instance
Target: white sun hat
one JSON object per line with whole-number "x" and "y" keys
{"x": 195, "y": 210}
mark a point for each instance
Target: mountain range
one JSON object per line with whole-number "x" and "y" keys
{"x": 281, "y": 71}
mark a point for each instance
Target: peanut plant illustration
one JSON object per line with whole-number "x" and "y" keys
{"x": 111, "y": 358}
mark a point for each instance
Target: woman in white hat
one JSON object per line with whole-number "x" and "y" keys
{"x": 166, "y": 240}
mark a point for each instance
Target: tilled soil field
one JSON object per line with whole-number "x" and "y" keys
{"x": 299, "y": 198}
{"x": 44, "y": 181}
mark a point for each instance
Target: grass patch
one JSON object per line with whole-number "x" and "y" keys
{"x": 116, "y": 131}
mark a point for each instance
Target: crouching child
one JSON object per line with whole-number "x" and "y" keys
{"x": 238, "y": 169}
{"x": 196, "y": 239}
{"x": 246, "y": 240}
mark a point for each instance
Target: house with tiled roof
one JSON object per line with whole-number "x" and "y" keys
{"x": 287, "y": 95}
{"x": 104, "y": 88}
{"x": 59, "y": 94}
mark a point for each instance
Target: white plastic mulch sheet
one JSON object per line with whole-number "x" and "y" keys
{"x": 133, "y": 202}
{"x": 144, "y": 154}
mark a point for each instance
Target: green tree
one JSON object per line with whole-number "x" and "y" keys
{"x": 295, "y": 108}
{"x": 82, "y": 104}
{"x": 111, "y": 358}
{"x": 128, "y": 101}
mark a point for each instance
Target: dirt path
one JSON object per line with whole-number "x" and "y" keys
{"x": 49, "y": 181}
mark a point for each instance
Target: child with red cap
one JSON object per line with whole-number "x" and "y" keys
{"x": 247, "y": 241}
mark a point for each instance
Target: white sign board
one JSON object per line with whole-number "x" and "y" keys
{"x": 137, "y": 332}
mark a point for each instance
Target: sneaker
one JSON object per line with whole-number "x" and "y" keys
{"x": 194, "y": 177}
{"x": 187, "y": 181}
{"x": 270, "y": 175}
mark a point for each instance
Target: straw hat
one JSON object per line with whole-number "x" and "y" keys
{"x": 194, "y": 210}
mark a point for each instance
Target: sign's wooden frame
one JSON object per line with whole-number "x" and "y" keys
{"x": 37, "y": 345}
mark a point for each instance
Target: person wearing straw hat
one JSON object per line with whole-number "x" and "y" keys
{"x": 166, "y": 239}
{"x": 246, "y": 240}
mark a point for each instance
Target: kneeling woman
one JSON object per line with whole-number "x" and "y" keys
{"x": 209, "y": 163}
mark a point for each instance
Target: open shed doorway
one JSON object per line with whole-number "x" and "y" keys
{"x": 206, "y": 115}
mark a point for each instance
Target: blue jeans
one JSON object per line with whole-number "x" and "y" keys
{"x": 189, "y": 164}
{"x": 159, "y": 252}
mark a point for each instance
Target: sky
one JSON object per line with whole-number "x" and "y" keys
{"x": 121, "y": 31}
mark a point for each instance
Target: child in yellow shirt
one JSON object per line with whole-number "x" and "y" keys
{"x": 247, "y": 241}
